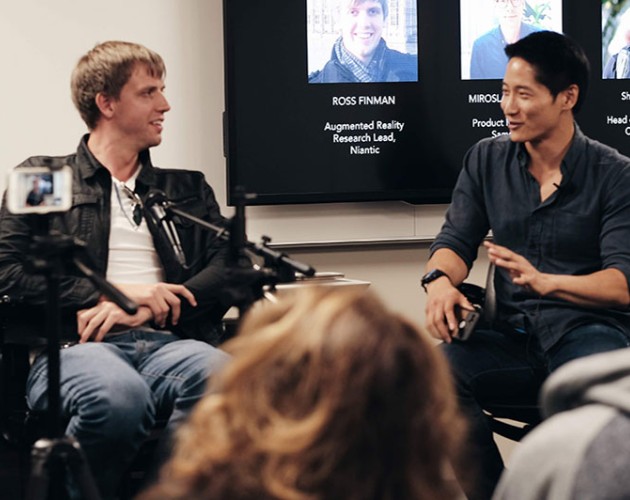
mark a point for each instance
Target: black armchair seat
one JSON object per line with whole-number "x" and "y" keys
{"x": 522, "y": 413}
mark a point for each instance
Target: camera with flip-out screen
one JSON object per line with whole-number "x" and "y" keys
{"x": 39, "y": 190}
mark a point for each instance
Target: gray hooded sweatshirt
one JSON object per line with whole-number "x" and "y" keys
{"x": 582, "y": 450}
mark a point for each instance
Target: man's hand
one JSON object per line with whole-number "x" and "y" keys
{"x": 605, "y": 288}
{"x": 94, "y": 323}
{"x": 441, "y": 315}
{"x": 161, "y": 298}
{"x": 521, "y": 271}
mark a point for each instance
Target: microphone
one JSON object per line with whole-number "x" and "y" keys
{"x": 157, "y": 203}
{"x": 566, "y": 189}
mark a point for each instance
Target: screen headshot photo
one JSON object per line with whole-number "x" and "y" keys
{"x": 487, "y": 26}
{"x": 35, "y": 196}
{"x": 34, "y": 190}
{"x": 616, "y": 40}
{"x": 362, "y": 41}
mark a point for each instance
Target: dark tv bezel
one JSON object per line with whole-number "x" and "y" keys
{"x": 581, "y": 20}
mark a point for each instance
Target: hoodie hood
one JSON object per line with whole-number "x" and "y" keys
{"x": 598, "y": 379}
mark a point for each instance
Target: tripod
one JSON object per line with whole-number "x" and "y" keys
{"x": 53, "y": 252}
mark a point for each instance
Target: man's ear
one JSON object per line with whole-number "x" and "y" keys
{"x": 105, "y": 104}
{"x": 570, "y": 96}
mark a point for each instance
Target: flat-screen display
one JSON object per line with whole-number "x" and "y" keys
{"x": 356, "y": 100}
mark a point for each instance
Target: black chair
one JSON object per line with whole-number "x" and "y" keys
{"x": 21, "y": 427}
{"x": 523, "y": 413}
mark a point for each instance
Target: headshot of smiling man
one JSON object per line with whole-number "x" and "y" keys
{"x": 488, "y": 60}
{"x": 362, "y": 27}
{"x": 360, "y": 53}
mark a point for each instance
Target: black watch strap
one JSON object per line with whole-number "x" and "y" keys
{"x": 431, "y": 276}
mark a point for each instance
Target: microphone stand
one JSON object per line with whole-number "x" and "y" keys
{"x": 53, "y": 253}
{"x": 273, "y": 258}
{"x": 278, "y": 266}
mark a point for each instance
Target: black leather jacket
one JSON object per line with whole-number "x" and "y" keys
{"x": 89, "y": 220}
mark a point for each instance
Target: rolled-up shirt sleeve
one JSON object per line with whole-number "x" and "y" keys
{"x": 466, "y": 222}
{"x": 615, "y": 226}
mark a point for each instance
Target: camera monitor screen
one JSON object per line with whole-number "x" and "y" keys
{"x": 39, "y": 190}
{"x": 350, "y": 100}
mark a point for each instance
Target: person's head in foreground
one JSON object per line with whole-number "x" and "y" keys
{"x": 329, "y": 395}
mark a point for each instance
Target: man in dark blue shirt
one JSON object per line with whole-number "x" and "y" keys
{"x": 558, "y": 206}
{"x": 488, "y": 59}
{"x": 35, "y": 196}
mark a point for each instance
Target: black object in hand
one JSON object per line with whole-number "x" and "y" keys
{"x": 467, "y": 324}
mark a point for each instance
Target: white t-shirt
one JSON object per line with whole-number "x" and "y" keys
{"x": 132, "y": 255}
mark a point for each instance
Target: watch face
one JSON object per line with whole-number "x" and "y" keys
{"x": 431, "y": 276}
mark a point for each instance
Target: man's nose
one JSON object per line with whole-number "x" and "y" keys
{"x": 364, "y": 18}
{"x": 163, "y": 104}
{"x": 508, "y": 105}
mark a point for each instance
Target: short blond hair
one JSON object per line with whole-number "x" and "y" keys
{"x": 106, "y": 69}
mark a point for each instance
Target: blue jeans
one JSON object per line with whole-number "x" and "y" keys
{"x": 113, "y": 391}
{"x": 495, "y": 366}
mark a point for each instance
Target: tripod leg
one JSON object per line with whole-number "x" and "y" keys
{"x": 40, "y": 477}
{"x": 66, "y": 450}
{"x": 78, "y": 466}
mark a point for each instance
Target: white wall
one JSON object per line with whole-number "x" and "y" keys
{"x": 41, "y": 40}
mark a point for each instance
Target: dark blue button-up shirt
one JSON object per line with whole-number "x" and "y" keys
{"x": 581, "y": 228}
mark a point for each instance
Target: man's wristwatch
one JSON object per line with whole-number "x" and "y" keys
{"x": 432, "y": 275}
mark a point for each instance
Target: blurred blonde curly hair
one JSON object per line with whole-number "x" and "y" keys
{"x": 329, "y": 396}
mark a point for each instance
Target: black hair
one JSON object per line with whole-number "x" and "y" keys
{"x": 557, "y": 59}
